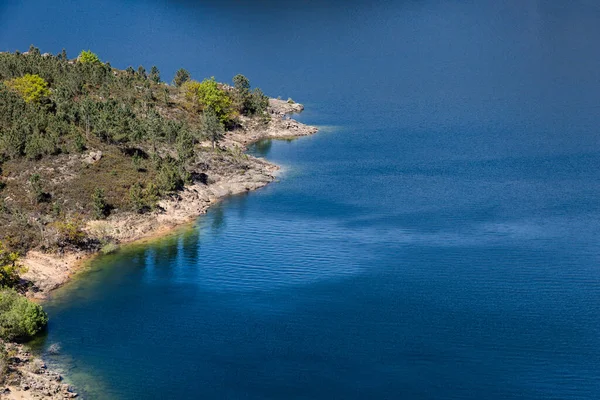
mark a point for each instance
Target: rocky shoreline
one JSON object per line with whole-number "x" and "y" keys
{"x": 47, "y": 272}
{"x": 29, "y": 378}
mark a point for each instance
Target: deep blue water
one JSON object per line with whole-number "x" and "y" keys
{"x": 438, "y": 239}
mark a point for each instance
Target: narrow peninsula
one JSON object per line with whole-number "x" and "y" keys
{"x": 92, "y": 157}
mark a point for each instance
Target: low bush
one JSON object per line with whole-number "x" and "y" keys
{"x": 109, "y": 248}
{"x": 20, "y": 318}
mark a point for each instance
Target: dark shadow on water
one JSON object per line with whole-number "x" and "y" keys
{"x": 218, "y": 223}
{"x": 262, "y": 148}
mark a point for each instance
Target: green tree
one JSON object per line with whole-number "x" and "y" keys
{"x": 87, "y": 57}
{"x": 136, "y": 197}
{"x": 142, "y": 72}
{"x": 88, "y": 110}
{"x": 241, "y": 83}
{"x": 20, "y": 318}
{"x": 258, "y": 102}
{"x": 33, "y": 51}
{"x": 154, "y": 129}
{"x": 99, "y": 204}
{"x": 181, "y": 77}
{"x": 212, "y": 127}
{"x": 207, "y": 95}
{"x": 35, "y": 181}
{"x": 241, "y": 86}
{"x": 185, "y": 146}
{"x": 166, "y": 95}
{"x": 168, "y": 178}
{"x": 155, "y": 74}
{"x": 33, "y": 88}
{"x": 142, "y": 200}
{"x": 246, "y": 101}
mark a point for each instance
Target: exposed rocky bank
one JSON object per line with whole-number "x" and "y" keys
{"x": 28, "y": 378}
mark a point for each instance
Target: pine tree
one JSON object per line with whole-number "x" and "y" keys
{"x": 212, "y": 127}
{"x": 142, "y": 72}
{"x": 155, "y": 74}
{"x": 99, "y": 202}
{"x": 181, "y": 77}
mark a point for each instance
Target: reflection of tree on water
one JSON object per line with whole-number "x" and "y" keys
{"x": 218, "y": 218}
{"x": 189, "y": 245}
{"x": 263, "y": 147}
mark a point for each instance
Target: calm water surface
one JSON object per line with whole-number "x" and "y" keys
{"x": 439, "y": 238}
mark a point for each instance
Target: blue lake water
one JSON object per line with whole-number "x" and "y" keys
{"x": 439, "y": 238}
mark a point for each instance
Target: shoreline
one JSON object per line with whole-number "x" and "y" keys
{"x": 48, "y": 272}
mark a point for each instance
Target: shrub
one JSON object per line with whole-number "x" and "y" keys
{"x": 70, "y": 233}
{"x": 99, "y": 202}
{"x": 109, "y": 248}
{"x": 20, "y": 318}
{"x": 141, "y": 199}
{"x": 212, "y": 127}
{"x": 36, "y": 188}
{"x": 169, "y": 178}
{"x": 136, "y": 198}
{"x": 10, "y": 269}
{"x": 32, "y": 88}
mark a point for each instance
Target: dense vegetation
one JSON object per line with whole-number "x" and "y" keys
{"x": 20, "y": 318}
{"x": 136, "y": 135}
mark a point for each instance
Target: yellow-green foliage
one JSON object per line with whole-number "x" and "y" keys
{"x": 9, "y": 267}
{"x": 32, "y": 88}
{"x": 87, "y": 57}
{"x": 208, "y": 95}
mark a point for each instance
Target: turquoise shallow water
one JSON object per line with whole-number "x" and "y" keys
{"x": 437, "y": 239}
